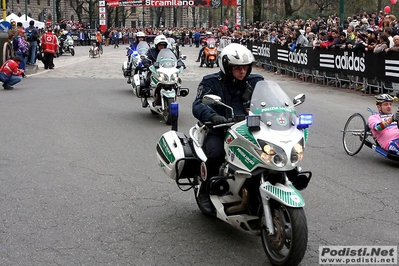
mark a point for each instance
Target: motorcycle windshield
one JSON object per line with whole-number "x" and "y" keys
{"x": 273, "y": 105}
{"x": 142, "y": 48}
{"x": 211, "y": 42}
{"x": 171, "y": 41}
{"x": 166, "y": 58}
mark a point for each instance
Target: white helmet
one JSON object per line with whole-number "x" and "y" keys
{"x": 160, "y": 39}
{"x": 383, "y": 98}
{"x": 65, "y": 32}
{"x": 235, "y": 54}
{"x": 140, "y": 34}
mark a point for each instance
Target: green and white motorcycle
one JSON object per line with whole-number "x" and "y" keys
{"x": 166, "y": 83}
{"x": 257, "y": 190}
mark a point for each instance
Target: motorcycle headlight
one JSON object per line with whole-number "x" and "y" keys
{"x": 162, "y": 77}
{"x": 297, "y": 152}
{"x": 174, "y": 77}
{"x": 272, "y": 154}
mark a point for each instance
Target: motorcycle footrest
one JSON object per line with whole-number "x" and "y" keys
{"x": 146, "y": 93}
{"x": 183, "y": 92}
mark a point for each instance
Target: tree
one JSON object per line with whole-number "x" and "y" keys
{"x": 77, "y": 6}
{"x": 257, "y": 12}
{"x": 289, "y": 9}
{"x": 193, "y": 11}
{"x": 159, "y": 11}
{"x": 323, "y": 4}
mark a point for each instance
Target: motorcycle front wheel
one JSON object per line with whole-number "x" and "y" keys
{"x": 166, "y": 111}
{"x": 72, "y": 51}
{"x": 287, "y": 246}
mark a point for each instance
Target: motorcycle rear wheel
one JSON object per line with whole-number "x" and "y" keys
{"x": 211, "y": 63}
{"x": 288, "y": 244}
{"x": 166, "y": 111}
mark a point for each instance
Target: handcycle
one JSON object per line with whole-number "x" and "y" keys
{"x": 357, "y": 133}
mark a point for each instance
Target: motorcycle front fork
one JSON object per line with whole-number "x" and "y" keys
{"x": 267, "y": 212}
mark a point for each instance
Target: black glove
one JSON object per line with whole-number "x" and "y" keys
{"x": 218, "y": 119}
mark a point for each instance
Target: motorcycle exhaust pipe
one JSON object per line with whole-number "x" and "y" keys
{"x": 242, "y": 206}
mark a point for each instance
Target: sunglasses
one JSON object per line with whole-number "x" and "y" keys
{"x": 245, "y": 67}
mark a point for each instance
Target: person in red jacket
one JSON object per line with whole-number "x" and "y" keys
{"x": 10, "y": 74}
{"x": 50, "y": 47}
{"x": 330, "y": 40}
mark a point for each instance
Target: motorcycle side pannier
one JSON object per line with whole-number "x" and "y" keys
{"x": 176, "y": 156}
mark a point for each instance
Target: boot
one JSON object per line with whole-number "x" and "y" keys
{"x": 204, "y": 199}
{"x": 129, "y": 81}
{"x": 144, "y": 103}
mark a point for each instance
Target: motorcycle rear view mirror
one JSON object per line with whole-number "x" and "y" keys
{"x": 299, "y": 99}
{"x": 210, "y": 99}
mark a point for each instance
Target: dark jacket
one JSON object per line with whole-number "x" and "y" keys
{"x": 230, "y": 92}
{"x": 152, "y": 54}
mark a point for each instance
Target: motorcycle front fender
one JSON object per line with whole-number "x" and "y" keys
{"x": 168, "y": 94}
{"x": 287, "y": 195}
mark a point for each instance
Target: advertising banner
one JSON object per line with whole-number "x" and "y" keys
{"x": 165, "y": 3}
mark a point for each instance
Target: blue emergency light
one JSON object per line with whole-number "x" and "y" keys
{"x": 174, "y": 109}
{"x": 304, "y": 121}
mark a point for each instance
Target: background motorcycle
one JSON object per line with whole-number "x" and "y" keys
{"x": 166, "y": 82}
{"x": 66, "y": 46}
{"x": 256, "y": 190}
{"x": 134, "y": 57}
{"x": 174, "y": 46}
{"x": 210, "y": 54}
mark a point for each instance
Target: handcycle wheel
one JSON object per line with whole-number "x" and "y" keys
{"x": 354, "y": 134}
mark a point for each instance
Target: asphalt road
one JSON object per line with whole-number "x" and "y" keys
{"x": 80, "y": 183}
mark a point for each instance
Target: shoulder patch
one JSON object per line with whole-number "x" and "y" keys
{"x": 199, "y": 90}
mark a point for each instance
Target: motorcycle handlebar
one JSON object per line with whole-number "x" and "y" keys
{"x": 228, "y": 123}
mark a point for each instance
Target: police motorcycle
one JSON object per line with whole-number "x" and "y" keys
{"x": 66, "y": 44}
{"x": 257, "y": 189}
{"x": 165, "y": 81}
{"x": 174, "y": 46}
{"x": 134, "y": 60}
{"x": 140, "y": 65}
{"x": 94, "y": 51}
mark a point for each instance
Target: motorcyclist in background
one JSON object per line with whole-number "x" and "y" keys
{"x": 140, "y": 37}
{"x": 62, "y": 39}
{"x": 160, "y": 43}
{"x": 234, "y": 83}
{"x": 208, "y": 35}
